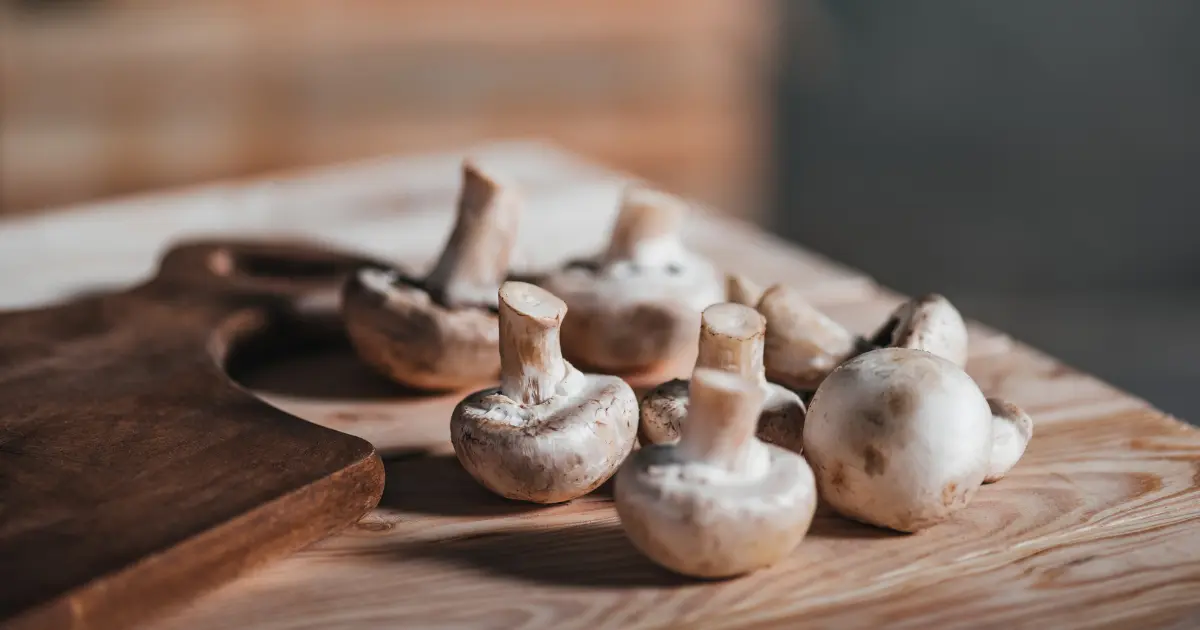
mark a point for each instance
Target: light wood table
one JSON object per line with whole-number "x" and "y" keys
{"x": 1097, "y": 525}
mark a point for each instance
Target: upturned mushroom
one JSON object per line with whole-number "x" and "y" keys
{"x": 441, "y": 333}
{"x": 719, "y": 502}
{"x": 731, "y": 340}
{"x": 803, "y": 344}
{"x": 549, "y": 433}
{"x": 635, "y": 306}
{"x": 903, "y": 438}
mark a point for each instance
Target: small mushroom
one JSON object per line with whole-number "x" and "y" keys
{"x": 1012, "y": 429}
{"x": 741, "y": 290}
{"x": 802, "y": 343}
{"x": 719, "y": 502}
{"x": 731, "y": 340}
{"x": 549, "y": 433}
{"x": 635, "y": 307}
{"x": 903, "y": 438}
{"x": 929, "y": 323}
{"x": 441, "y": 333}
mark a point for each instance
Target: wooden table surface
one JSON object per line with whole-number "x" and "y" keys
{"x": 1096, "y": 526}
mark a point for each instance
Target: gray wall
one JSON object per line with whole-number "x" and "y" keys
{"x": 954, "y": 130}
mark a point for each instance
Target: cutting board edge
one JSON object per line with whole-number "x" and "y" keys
{"x": 141, "y": 592}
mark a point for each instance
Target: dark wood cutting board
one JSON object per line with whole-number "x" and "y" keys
{"x": 133, "y": 473}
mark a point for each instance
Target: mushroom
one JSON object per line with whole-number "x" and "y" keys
{"x": 720, "y": 502}
{"x": 929, "y": 323}
{"x": 741, "y": 290}
{"x": 903, "y": 438}
{"x": 549, "y": 433}
{"x": 731, "y": 340}
{"x": 441, "y": 333}
{"x": 803, "y": 345}
{"x": 1012, "y": 429}
{"x": 635, "y": 306}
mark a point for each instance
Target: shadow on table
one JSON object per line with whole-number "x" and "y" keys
{"x": 594, "y": 554}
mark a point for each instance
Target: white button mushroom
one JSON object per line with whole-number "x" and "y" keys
{"x": 719, "y": 502}
{"x": 731, "y": 340}
{"x": 441, "y": 333}
{"x": 635, "y": 307}
{"x": 903, "y": 438}
{"x": 802, "y": 343}
{"x": 929, "y": 323}
{"x": 1012, "y": 429}
{"x": 549, "y": 433}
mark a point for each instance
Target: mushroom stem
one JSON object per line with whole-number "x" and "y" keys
{"x": 531, "y": 362}
{"x": 731, "y": 340}
{"x": 647, "y": 228}
{"x": 722, "y": 418}
{"x": 475, "y": 260}
{"x": 741, "y": 290}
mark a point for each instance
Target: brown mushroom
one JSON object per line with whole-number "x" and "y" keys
{"x": 636, "y": 306}
{"x": 719, "y": 502}
{"x": 441, "y": 333}
{"x": 731, "y": 340}
{"x": 549, "y": 433}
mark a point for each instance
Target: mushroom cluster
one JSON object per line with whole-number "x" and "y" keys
{"x": 897, "y": 434}
{"x": 549, "y": 433}
{"x": 635, "y": 306}
{"x": 731, "y": 340}
{"x": 719, "y": 502}
{"x": 441, "y": 333}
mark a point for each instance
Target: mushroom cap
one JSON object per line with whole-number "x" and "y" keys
{"x": 702, "y": 520}
{"x": 1012, "y": 429}
{"x": 400, "y": 331}
{"x": 626, "y": 317}
{"x": 550, "y": 452}
{"x": 929, "y": 323}
{"x": 898, "y": 438}
{"x": 664, "y": 410}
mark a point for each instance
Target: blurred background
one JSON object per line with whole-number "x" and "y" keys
{"x": 1038, "y": 161}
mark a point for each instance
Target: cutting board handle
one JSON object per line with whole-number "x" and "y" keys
{"x": 281, "y": 269}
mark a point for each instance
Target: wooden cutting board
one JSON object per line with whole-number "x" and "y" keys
{"x": 1096, "y": 526}
{"x": 133, "y": 473}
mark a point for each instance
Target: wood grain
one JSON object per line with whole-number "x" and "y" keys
{"x": 133, "y": 473}
{"x": 1095, "y": 527}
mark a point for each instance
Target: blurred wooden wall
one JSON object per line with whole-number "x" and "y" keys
{"x": 101, "y": 98}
